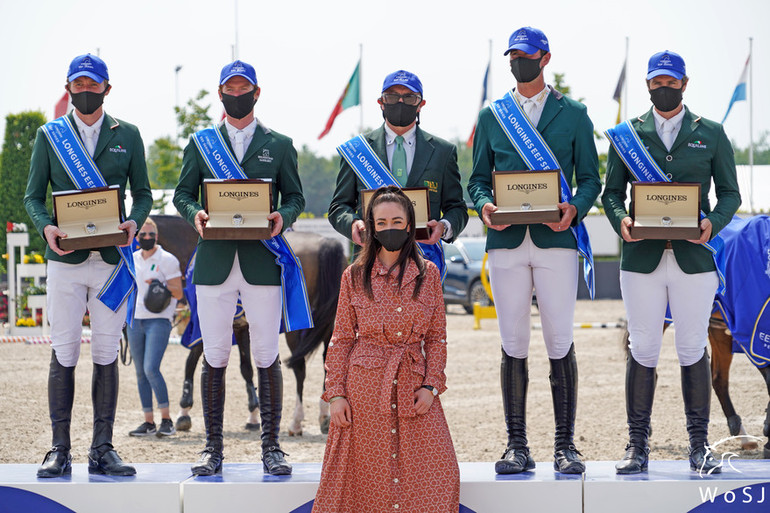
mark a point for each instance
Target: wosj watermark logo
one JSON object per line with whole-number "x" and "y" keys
{"x": 745, "y": 499}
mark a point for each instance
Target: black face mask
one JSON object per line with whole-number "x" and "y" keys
{"x": 400, "y": 114}
{"x": 87, "y": 102}
{"x": 392, "y": 240}
{"x": 666, "y": 99}
{"x": 525, "y": 70}
{"x": 239, "y": 107}
{"x": 147, "y": 243}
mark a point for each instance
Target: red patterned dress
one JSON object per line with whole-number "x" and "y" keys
{"x": 382, "y": 352}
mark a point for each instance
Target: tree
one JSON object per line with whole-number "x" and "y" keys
{"x": 164, "y": 158}
{"x": 194, "y": 116}
{"x": 20, "y": 132}
{"x": 319, "y": 178}
{"x": 164, "y": 162}
{"x": 761, "y": 151}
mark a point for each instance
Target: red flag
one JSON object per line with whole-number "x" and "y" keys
{"x": 349, "y": 98}
{"x": 60, "y": 109}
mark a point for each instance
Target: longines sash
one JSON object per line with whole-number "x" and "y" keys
{"x": 533, "y": 149}
{"x": 375, "y": 174}
{"x": 69, "y": 149}
{"x": 640, "y": 163}
{"x": 296, "y": 306}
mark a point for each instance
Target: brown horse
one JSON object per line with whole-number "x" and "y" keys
{"x": 721, "y": 357}
{"x": 323, "y": 261}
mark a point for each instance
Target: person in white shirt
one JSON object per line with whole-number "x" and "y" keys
{"x": 157, "y": 271}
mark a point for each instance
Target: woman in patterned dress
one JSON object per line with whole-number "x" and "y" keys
{"x": 389, "y": 447}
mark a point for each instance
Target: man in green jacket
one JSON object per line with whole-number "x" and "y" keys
{"x": 415, "y": 157}
{"x": 226, "y": 268}
{"x": 543, "y": 256}
{"x": 76, "y": 278}
{"x": 678, "y": 273}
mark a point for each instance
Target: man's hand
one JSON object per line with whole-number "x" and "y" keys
{"x": 625, "y": 229}
{"x": 340, "y": 412}
{"x": 200, "y": 221}
{"x": 487, "y": 209}
{"x": 423, "y": 399}
{"x": 568, "y": 213}
{"x": 277, "y": 220}
{"x": 52, "y": 235}
{"x": 705, "y": 232}
{"x": 358, "y": 231}
{"x": 130, "y": 228}
{"x": 436, "y": 230}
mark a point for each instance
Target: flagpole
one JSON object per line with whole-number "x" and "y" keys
{"x": 489, "y": 76}
{"x": 751, "y": 126}
{"x": 360, "y": 101}
{"x": 625, "y": 87}
{"x": 235, "y": 47}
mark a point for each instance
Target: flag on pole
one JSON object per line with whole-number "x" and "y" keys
{"x": 740, "y": 90}
{"x": 484, "y": 89}
{"x": 350, "y": 98}
{"x": 617, "y": 96}
{"x": 61, "y": 107}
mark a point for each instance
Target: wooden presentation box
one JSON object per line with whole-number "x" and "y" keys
{"x": 421, "y": 203}
{"x": 238, "y": 209}
{"x": 89, "y": 217}
{"x": 665, "y": 210}
{"x": 526, "y": 197}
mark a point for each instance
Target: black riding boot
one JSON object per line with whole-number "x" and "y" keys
{"x": 696, "y": 392}
{"x": 102, "y": 458}
{"x": 640, "y": 391}
{"x": 61, "y": 393}
{"x": 213, "y": 400}
{"x": 514, "y": 378}
{"x": 564, "y": 382}
{"x": 270, "y": 390}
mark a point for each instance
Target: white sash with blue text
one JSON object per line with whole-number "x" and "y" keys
{"x": 536, "y": 154}
{"x": 374, "y": 174}
{"x": 222, "y": 164}
{"x": 69, "y": 149}
{"x": 640, "y": 163}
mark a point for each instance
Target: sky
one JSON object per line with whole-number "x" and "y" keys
{"x": 305, "y": 51}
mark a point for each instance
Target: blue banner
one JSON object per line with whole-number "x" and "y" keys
{"x": 536, "y": 154}
{"x": 296, "y": 306}
{"x": 745, "y": 304}
{"x": 640, "y": 163}
{"x": 374, "y": 174}
{"x": 69, "y": 149}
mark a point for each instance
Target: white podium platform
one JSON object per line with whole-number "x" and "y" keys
{"x": 155, "y": 487}
{"x": 672, "y": 486}
{"x": 668, "y": 486}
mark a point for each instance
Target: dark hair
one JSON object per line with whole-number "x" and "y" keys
{"x": 364, "y": 263}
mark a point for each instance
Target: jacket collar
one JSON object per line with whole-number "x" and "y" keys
{"x": 105, "y": 136}
{"x": 551, "y": 109}
{"x": 646, "y": 127}
{"x": 422, "y": 151}
{"x": 261, "y": 138}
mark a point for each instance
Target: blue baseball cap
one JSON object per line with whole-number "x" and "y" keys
{"x": 666, "y": 63}
{"x": 528, "y": 40}
{"x": 403, "y": 78}
{"x": 89, "y": 66}
{"x": 238, "y": 69}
